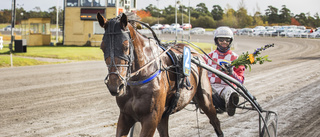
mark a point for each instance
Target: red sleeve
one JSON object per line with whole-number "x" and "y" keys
{"x": 238, "y": 73}
{"x": 205, "y": 58}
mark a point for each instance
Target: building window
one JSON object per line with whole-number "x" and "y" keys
{"x": 99, "y": 3}
{"x": 111, "y": 3}
{"x": 121, "y": 3}
{"x": 72, "y": 3}
{"x": 35, "y": 28}
{"x": 93, "y": 3}
{"x": 133, "y": 4}
{"x": 86, "y": 3}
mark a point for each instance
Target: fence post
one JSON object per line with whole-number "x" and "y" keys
{"x": 1, "y": 42}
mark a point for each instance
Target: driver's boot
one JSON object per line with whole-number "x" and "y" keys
{"x": 232, "y": 103}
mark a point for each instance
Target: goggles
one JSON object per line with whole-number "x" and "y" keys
{"x": 224, "y": 39}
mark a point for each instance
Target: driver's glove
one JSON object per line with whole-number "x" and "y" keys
{"x": 226, "y": 67}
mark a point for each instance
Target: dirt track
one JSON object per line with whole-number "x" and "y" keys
{"x": 72, "y": 100}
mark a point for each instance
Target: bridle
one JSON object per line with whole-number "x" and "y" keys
{"x": 113, "y": 49}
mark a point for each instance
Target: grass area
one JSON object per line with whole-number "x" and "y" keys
{"x": 71, "y": 53}
{"x": 19, "y": 61}
{"x": 209, "y": 29}
{"x": 74, "y": 53}
{"x": 60, "y": 52}
{"x": 2, "y": 25}
{"x": 206, "y": 47}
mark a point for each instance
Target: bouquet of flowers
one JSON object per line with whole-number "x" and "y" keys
{"x": 247, "y": 59}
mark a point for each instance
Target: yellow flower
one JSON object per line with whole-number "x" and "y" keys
{"x": 251, "y": 58}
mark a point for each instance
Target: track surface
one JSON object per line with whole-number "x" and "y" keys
{"x": 72, "y": 100}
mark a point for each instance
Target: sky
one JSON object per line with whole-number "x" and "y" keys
{"x": 296, "y": 6}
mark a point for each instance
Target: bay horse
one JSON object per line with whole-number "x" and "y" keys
{"x": 140, "y": 77}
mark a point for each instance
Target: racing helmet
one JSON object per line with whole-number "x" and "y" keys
{"x": 223, "y": 32}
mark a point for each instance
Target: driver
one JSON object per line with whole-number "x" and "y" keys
{"x": 224, "y": 97}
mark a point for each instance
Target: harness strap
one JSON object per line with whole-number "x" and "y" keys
{"x": 154, "y": 75}
{"x": 174, "y": 101}
{"x": 169, "y": 54}
{"x": 136, "y": 72}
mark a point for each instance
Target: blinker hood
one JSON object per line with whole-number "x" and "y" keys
{"x": 113, "y": 39}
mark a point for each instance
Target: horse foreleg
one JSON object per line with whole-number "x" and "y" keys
{"x": 163, "y": 127}
{"x": 148, "y": 125}
{"x": 124, "y": 124}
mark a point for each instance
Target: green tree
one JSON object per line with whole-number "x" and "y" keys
{"x": 315, "y": 21}
{"x": 202, "y": 9}
{"x": 301, "y": 18}
{"x": 20, "y": 12}
{"x": 154, "y": 11}
{"x": 5, "y": 16}
{"x": 285, "y": 15}
{"x": 183, "y": 9}
{"x": 171, "y": 19}
{"x": 217, "y": 12}
{"x": 272, "y": 14}
{"x": 169, "y": 10}
{"x": 244, "y": 19}
{"x": 205, "y": 22}
{"x": 154, "y": 20}
{"x": 257, "y": 20}
{"x": 53, "y": 15}
{"x": 195, "y": 13}
{"x": 229, "y": 19}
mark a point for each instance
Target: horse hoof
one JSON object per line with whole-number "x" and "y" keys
{"x": 221, "y": 135}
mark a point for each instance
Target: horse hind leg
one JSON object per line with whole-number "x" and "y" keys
{"x": 163, "y": 127}
{"x": 204, "y": 102}
{"x": 204, "y": 99}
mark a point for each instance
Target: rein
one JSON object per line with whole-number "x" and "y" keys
{"x": 137, "y": 72}
{"x": 153, "y": 33}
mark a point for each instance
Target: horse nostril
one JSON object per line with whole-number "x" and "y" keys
{"x": 121, "y": 87}
{"x": 106, "y": 80}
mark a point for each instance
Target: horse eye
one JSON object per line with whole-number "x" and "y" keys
{"x": 125, "y": 45}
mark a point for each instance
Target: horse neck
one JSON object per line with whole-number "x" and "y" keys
{"x": 145, "y": 51}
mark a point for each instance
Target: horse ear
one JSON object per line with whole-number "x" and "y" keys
{"x": 101, "y": 19}
{"x": 124, "y": 21}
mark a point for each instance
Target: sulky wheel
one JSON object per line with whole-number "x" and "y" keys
{"x": 272, "y": 127}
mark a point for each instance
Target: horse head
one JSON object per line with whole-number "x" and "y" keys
{"x": 118, "y": 52}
